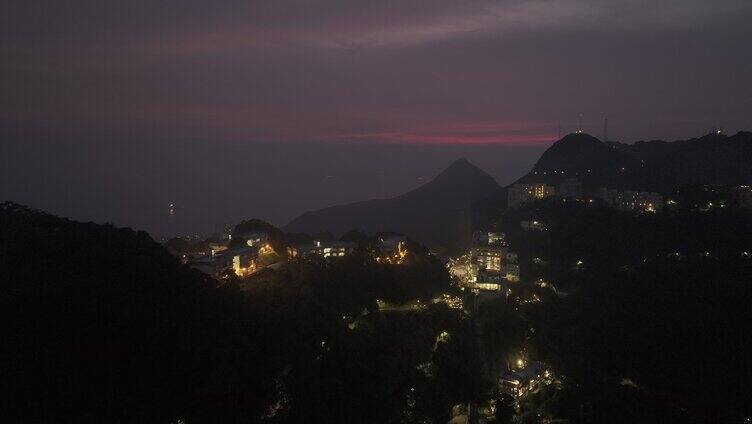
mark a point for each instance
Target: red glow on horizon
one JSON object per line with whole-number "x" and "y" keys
{"x": 462, "y": 133}
{"x": 412, "y": 138}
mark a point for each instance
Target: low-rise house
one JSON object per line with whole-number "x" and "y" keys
{"x": 241, "y": 261}
{"x": 255, "y": 239}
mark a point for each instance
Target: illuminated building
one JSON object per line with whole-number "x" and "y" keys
{"x": 254, "y": 239}
{"x": 392, "y": 249}
{"x": 489, "y": 238}
{"x": 488, "y": 281}
{"x": 488, "y": 257}
{"x": 265, "y": 249}
{"x": 488, "y": 263}
{"x": 489, "y": 250}
{"x": 519, "y": 382}
{"x": 241, "y": 261}
{"x": 321, "y": 248}
{"x": 520, "y": 194}
{"x": 464, "y": 271}
{"x": 488, "y": 286}
{"x": 496, "y": 239}
{"x": 541, "y": 191}
{"x": 533, "y": 225}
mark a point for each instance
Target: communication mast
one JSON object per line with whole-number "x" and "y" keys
{"x": 171, "y": 217}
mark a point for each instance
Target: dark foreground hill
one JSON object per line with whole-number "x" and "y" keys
{"x": 102, "y": 324}
{"x": 434, "y": 213}
{"x": 657, "y": 310}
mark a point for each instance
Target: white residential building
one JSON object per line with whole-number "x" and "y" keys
{"x": 520, "y": 194}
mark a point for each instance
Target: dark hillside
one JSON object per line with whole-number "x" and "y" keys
{"x": 661, "y": 300}
{"x": 102, "y": 324}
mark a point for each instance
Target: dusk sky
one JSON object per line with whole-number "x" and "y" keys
{"x": 110, "y": 110}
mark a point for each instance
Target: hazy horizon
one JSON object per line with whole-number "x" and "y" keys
{"x": 220, "y": 183}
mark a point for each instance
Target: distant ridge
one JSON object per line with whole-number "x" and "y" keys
{"x": 444, "y": 211}
{"x": 435, "y": 213}
{"x": 577, "y": 151}
{"x": 660, "y": 166}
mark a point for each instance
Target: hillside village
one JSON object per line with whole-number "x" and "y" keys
{"x": 501, "y": 319}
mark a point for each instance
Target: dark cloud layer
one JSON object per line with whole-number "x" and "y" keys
{"x": 122, "y": 75}
{"x": 329, "y": 69}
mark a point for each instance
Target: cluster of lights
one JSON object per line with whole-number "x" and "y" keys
{"x": 452, "y": 302}
{"x": 397, "y": 258}
{"x": 533, "y": 299}
{"x": 242, "y": 271}
{"x": 414, "y": 306}
{"x": 553, "y": 172}
{"x": 246, "y": 271}
{"x": 266, "y": 249}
